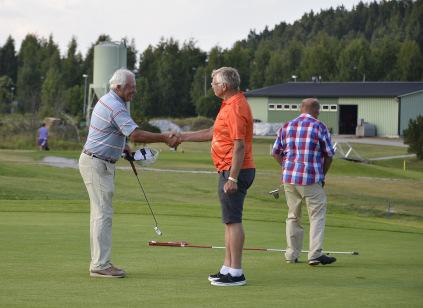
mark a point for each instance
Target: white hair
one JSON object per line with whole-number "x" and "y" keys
{"x": 228, "y": 76}
{"x": 120, "y": 78}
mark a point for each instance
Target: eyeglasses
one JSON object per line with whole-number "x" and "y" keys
{"x": 216, "y": 83}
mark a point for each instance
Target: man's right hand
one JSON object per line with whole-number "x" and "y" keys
{"x": 128, "y": 155}
{"x": 174, "y": 139}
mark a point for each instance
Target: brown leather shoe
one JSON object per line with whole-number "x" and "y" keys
{"x": 110, "y": 272}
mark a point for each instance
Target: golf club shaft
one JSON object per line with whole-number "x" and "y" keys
{"x": 142, "y": 189}
{"x": 185, "y": 244}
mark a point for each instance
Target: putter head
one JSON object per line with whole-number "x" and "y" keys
{"x": 274, "y": 193}
{"x": 158, "y": 232}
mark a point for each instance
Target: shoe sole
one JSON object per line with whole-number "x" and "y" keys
{"x": 96, "y": 275}
{"x": 232, "y": 284}
{"x": 317, "y": 263}
{"x": 213, "y": 279}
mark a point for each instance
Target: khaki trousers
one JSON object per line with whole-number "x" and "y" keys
{"x": 98, "y": 176}
{"x": 315, "y": 199}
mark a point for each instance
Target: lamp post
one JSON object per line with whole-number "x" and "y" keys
{"x": 205, "y": 83}
{"x": 294, "y": 77}
{"x": 85, "y": 94}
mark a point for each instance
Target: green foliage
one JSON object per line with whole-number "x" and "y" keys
{"x": 9, "y": 60}
{"x": 373, "y": 41}
{"x": 29, "y": 74}
{"x": 6, "y": 93}
{"x": 409, "y": 64}
{"x": 413, "y": 136}
{"x": 167, "y": 74}
{"x": 208, "y": 106}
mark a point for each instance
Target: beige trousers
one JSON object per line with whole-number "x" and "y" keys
{"x": 98, "y": 176}
{"x": 315, "y": 199}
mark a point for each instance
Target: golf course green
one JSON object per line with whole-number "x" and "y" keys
{"x": 375, "y": 209}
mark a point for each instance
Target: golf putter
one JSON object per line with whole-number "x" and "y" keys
{"x": 156, "y": 227}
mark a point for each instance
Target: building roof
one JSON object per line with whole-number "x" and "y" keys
{"x": 338, "y": 89}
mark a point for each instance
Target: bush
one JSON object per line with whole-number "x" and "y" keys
{"x": 413, "y": 136}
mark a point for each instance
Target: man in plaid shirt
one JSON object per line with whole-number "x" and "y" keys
{"x": 304, "y": 150}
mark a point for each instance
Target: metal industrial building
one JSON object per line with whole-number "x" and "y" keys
{"x": 387, "y": 106}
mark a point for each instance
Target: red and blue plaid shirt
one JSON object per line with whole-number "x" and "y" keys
{"x": 302, "y": 143}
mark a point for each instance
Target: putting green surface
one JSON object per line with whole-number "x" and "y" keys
{"x": 44, "y": 226}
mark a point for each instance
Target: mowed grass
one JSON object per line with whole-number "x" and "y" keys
{"x": 44, "y": 235}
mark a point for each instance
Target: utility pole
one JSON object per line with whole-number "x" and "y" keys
{"x": 85, "y": 94}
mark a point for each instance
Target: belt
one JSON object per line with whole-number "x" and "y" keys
{"x": 112, "y": 161}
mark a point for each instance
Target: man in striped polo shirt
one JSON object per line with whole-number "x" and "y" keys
{"x": 110, "y": 125}
{"x": 304, "y": 150}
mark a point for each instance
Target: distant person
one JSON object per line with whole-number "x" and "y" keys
{"x": 231, "y": 151}
{"x": 304, "y": 150}
{"x": 43, "y": 138}
{"x": 110, "y": 125}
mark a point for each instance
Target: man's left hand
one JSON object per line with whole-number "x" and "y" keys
{"x": 230, "y": 187}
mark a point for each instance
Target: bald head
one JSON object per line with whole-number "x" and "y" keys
{"x": 310, "y": 106}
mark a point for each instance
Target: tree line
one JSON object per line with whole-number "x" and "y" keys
{"x": 377, "y": 41}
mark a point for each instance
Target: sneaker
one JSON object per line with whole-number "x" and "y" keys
{"x": 229, "y": 281}
{"x": 292, "y": 261}
{"x": 323, "y": 259}
{"x": 214, "y": 277}
{"x": 110, "y": 272}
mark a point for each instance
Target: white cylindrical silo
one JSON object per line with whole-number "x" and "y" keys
{"x": 108, "y": 57}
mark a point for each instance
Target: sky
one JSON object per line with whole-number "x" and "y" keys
{"x": 208, "y": 23}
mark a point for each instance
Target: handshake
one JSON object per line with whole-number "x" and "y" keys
{"x": 173, "y": 139}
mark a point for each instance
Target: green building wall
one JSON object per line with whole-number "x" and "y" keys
{"x": 258, "y": 107}
{"x": 330, "y": 118}
{"x": 411, "y": 107}
{"x": 382, "y": 112}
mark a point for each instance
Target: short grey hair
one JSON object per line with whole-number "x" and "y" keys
{"x": 120, "y": 78}
{"x": 228, "y": 76}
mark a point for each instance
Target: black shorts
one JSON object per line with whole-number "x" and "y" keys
{"x": 232, "y": 204}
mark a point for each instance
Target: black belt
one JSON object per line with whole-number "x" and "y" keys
{"x": 112, "y": 161}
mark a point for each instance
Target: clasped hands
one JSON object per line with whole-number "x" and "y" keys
{"x": 174, "y": 139}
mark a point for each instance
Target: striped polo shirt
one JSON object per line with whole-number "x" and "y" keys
{"x": 109, "y": 126}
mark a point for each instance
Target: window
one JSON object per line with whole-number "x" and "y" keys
{"x": 278, "y": 107}
{"x": 325, "y": 107}
{"x": 294, "y": 107}
{"x": 286, "y": 107}
{"x": 333, "y": 107}
{"x": 271, "y": 107}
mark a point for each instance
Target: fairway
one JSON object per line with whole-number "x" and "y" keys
{"x": 44, "y": 226}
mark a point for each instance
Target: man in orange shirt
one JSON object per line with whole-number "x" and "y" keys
{"x": 231, "y": 151}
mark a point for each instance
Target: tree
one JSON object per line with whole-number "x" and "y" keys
{"x": 72, "y": 65}
{"x": 409, "y": 63}
{"x": 258, "y": 65}
{"x": 354, "y": 61}
{"x": 29, "y": 78}
{"x": 275, "y": 72}
{"x": 320, "y": 58}
{"x": 6, "y": 94}
{"x": 413, "y": 136}
{"x": 131, "y": 58}
{"x": 51, "y": 94}
{"x": 9, "y": 59}
{"x": 384, "y": 53}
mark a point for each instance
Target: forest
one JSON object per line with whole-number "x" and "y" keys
{"x": 374, "y": 41}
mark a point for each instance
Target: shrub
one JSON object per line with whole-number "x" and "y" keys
{"x": 413, "y": 136}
